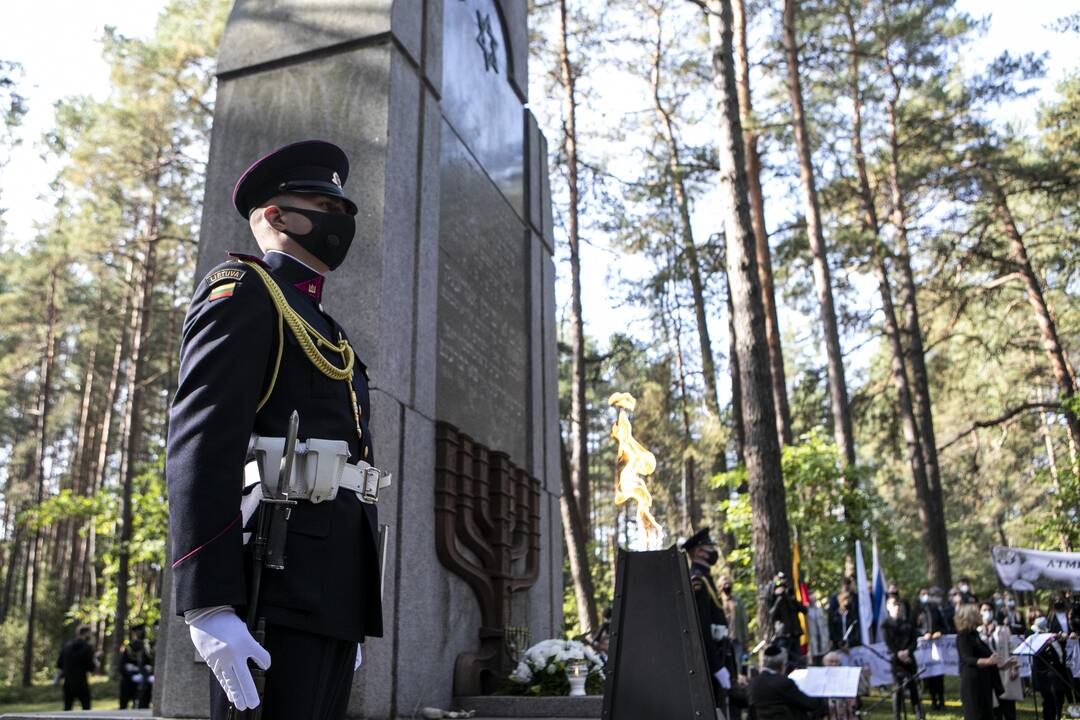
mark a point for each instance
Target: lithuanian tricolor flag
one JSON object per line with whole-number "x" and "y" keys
{"x": 802, "y": 594}
{"x": 222, "y": 291}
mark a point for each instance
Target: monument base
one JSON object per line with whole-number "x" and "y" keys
{"x": 61, "y": 715}
{"x": 509, "y": 706}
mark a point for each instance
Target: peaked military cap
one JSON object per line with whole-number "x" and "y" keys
{"x": 310, "y": 166}
{"x": 701, "y": 537}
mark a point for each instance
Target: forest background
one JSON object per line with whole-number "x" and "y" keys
{"x": 914, "y": 346}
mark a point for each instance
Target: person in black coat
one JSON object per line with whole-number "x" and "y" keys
{"x": 980, "y": 681}
{"x": 784, "y": 611}
{"x": 900, "y": 638}
{"x": 774, "y": 696}
{"x": 136, "y": 667}
{"x": 1050, "y": 676}
{"x": 258, "y": 345}
{"x": 844, "y": 621}
{"x": 715, "y": 635}
{"x": 930, "y": 622}
{"x": 75, "y": 663}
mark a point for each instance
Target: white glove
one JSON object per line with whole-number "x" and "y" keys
{"x": 136, "y": 678}
{"x": 225, "y": 644}
{"x": 723, "y": 677}
{"x": 359, "y": 657}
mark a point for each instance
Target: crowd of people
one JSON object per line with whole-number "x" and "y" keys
{"x": 824, "y": 632}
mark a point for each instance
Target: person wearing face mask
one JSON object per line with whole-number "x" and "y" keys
{"x": 258, "y": 345}
{"x": 963, "y": 589}
{"x": 998, "y": 638}
{"x": 1010, "y": 616}
{"x": 1050, "y": 675}
{"x": 715, "y": 632}
{"x": 931, "y": 625}
{"x": 900, "y": 638}
{"x": 980, "y": 680}
{"x": 1058, "y": 617}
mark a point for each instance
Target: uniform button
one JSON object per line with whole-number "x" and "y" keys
{"x": 367, "y": 451}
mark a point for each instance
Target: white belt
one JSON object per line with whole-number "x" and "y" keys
{"x": 320, "y": 469}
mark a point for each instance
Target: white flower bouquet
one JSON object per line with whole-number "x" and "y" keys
{"x": 542, "y": 670}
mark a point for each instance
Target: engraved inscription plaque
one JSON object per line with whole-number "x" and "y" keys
{"x": 482, "y": 379}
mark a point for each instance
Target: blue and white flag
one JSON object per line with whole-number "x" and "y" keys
{"x": 880, "y": 587}
{"x": 866, "y": 612}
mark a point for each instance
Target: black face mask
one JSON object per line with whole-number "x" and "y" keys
{"x": 1059, "y": 605}
{"x": 330, "y": 236}
{"x": 726, "y": 589}
{"x": 712, "y": 557}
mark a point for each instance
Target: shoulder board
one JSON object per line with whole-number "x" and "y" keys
{"x": 251, "y": 258}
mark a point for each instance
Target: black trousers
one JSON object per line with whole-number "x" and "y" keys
{"x": 935, "y": 688}
{"x": 1053, "y": 701}
{"x": 309, "y": 677}
{"x": 76, "y": 691}
{"x": 912, "y": 691}
{"x": 1006, "y": 710}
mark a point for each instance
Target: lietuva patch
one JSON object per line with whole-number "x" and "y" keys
{"x": 226, "y": 274}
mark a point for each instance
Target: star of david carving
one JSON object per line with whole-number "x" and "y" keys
{"x": 487, "y": 42}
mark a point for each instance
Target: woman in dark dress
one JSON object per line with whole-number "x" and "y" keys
{"x": 900, "y": 637}
{"x": 980, "y": 682}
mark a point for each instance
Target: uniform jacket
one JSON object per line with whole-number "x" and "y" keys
{"x": 711, "y": 612}
{"x": 330, "y": 585}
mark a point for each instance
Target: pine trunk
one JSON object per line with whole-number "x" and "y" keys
{"x": 771, "y": 537}
{"x": 757, "y": 217}
{"x": 133, "y": 423}
{"x": 938, "y": 558}
{"x": 577, "y": 550}
{"x": 841, "y": 412}
{"x": 927, "y": 508}
{"x": 44, "y": 403}
{"x": 579, "y": 421}
{"x": 686, "y": 233}
{"x": 688, "y": 481}
{"x": 1043, "y": 316}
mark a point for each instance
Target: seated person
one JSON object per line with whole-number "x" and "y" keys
{"x": 842, "y": 708}
{"x": 774, "y": 696}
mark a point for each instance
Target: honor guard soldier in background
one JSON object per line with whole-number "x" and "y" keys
{"x": 257, "y": 346}
{"x": 715, "y": 633}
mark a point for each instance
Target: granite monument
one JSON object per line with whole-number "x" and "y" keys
{"x": 448, "y": 295}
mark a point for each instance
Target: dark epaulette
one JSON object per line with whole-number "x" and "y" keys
{"x": 251, "y": 258}
{"x": 697, "y": 582}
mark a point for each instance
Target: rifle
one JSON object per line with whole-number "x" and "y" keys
{"x": 268, "y": 550}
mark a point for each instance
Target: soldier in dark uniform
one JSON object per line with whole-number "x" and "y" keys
{"x": 715, "y": 633}
{"x": 136, "y": 668}
{"x": 256, "y": 346}
{"x": 75, "y": 663}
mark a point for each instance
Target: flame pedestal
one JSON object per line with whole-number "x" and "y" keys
{"x": 656, "y": 668}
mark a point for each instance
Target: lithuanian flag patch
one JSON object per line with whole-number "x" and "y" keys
{"x": 222, "y": 291}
